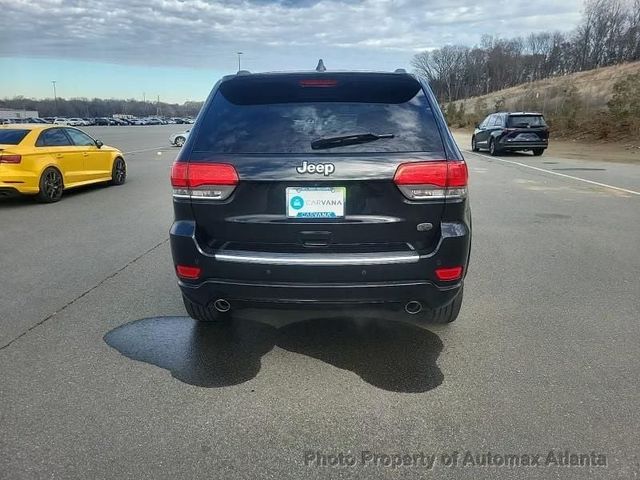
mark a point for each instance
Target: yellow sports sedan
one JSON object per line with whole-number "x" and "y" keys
{"x": 45, "y": 160}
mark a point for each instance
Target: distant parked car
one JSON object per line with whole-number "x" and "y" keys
{"x": 105, "y": 121}
{"x": 153, "y": 121}
{"x": 61, "y": 121}
{"x": 138, "y": 121}
{"x": 511, "y": 131}
{"x": 32, "y": 120}
{"x": 76, "y": 122}
{"x": 178, "y": 139}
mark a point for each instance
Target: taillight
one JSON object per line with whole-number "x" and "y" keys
{"x": 434, "y": 180}
{"x": 214, "y": 181}
{"x": 10, "y": 158}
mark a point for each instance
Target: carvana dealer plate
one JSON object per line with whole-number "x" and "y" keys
{"x": 316, "y": 202}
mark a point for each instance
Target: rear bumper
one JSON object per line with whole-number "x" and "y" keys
{"x": 320, "y": 279}
{"x": 505, "y": 145}
{"x": 18, "y": 178}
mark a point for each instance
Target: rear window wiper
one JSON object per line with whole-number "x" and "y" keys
{"x": 343, "y": 140}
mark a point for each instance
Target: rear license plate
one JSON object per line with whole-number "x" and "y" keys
{"x": 527, "y": 137}
{"x": 316, "y": 202}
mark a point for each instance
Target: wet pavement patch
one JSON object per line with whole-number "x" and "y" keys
{"x": 390, "y": 355}
{"x": 207, "y": 355}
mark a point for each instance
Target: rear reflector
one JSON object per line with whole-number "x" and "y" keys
{"x": 437, "y": 179}
{"x": 10, "y": 158}
{"x": 214, "y": 181}
{"x": 188, "y": 272}
{"x": 449, "y": 273}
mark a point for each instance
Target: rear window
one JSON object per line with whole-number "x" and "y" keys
{"x": 12, "y": 136}
{"x": 272, "y": 115}
{"x": 526, "y": 121}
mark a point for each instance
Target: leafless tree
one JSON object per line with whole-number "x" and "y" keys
{"x": 609, "y": 33}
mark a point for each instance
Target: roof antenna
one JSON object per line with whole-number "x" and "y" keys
{"x": 321, "y": 67}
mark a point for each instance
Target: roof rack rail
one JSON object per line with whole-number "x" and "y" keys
{"x": 399, "y": 70}
{"x": 243, "y": 72}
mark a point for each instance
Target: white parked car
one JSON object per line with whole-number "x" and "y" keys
{"x": 61, "y": 121}
{"x": 178, "y": 139}
{"x": 77, "y": 122}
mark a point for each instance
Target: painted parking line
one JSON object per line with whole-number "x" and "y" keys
{"x": 599, "y": 184}
{"x": 164, "y": 147}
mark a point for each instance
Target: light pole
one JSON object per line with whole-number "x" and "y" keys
{"x": 239, "y": 53}
{"x": 55, "y": 96}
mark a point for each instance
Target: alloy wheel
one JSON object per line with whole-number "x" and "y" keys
{"x": 52, "y": 184}
{"x": 120, "y": 171}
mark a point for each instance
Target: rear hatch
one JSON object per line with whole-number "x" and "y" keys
{"x": 526, "y": 128}
{"x": 316, "y": 157}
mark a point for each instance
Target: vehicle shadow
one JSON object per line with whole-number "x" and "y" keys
{"x": 390, "y": 355}
{"x": 17, "y": 200}
{"x": 510, "y": 153}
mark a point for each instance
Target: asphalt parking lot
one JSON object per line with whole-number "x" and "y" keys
{"x": 103, "y": 376}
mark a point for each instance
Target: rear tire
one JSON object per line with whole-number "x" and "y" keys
{"x": 448, "y": 313}
{"x": 51, "y": 186}
{"x": 538, "y": 151}
{"x": 474, "y": 146}
{"x": 203, "y": 314}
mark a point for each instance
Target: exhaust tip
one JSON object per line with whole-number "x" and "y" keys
{"x": 413, "y": 307}
{"x": 222, "y": 305}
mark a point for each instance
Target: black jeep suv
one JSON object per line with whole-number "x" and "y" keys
{"x": 321, "y": 189}
{"x": 503, "y": 131}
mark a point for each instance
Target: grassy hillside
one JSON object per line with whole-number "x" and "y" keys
{"x": 603, "y": 103}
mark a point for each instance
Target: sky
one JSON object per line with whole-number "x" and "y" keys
{"x": 178, "y": 49}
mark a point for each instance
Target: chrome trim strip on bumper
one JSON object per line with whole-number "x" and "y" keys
{"x": 316, "y": 259}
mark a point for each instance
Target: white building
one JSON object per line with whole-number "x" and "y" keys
{"x": 7, "y": 113}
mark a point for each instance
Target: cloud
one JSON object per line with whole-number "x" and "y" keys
{"x": 283, "y": 34}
